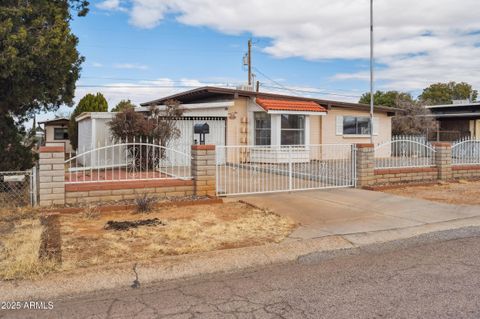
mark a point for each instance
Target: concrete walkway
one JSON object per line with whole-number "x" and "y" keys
{"x": 347, "y": 211}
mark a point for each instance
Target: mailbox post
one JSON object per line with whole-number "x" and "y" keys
{"x": 201, "y": 129}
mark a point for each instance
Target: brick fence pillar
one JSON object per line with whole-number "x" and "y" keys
{"x": 443, "y": 160}
{"x": 365, "y": 165}
{"x": 204, "y": 170}
{"x": 52, "y": 175}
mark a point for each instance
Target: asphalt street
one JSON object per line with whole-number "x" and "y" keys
{"x": 437, "y": 276}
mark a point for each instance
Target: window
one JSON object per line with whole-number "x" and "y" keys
{"x": 353, "y": 125}
{"x": 60, "y": 133}
{"x": 293, "y": 129}
{"x": 263, "y": 132}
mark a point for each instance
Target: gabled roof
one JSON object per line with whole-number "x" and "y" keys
{"x": 289, "y": 105}
{"x": 60, "y": 120}
{"x": 208, "y": 93}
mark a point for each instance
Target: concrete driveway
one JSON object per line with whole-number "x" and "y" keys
{"x": 347, "y": 210}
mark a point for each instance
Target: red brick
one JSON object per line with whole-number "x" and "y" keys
{"x": 52, "y": 149}
{"x": 94, "y": 186}
{"x": 203, "y": 147}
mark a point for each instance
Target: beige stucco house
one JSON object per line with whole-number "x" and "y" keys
{"x": 260, "y": 118}
{"x": 56, "y": 133}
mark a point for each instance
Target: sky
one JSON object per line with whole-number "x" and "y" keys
{"x": 145, "y": 49}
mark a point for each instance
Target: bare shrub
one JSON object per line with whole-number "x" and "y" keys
{"x": 414, "y": 119}
{"x": 145, "y": 203}
{"x": 91, "y": 212}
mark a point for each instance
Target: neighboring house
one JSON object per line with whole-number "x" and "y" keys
{"x": 458, "y": 120}
{"x": 56, "y": 133}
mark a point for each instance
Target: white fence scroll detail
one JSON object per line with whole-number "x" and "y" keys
{"x": 466, "y": 151}
{"x": 125, "y": 161}
{"x": 404, "y": 152}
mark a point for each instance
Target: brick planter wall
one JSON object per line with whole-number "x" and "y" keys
{"x": 405, "y": 175}
{"x": 367, "y": 175}
{"x": 54, "y": 191}
{"x": 466, "y": 171}
{"x": 116, "y": 191}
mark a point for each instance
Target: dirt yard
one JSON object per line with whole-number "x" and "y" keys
{"x": 86, "y": 241}
{"x": 461, "y": 192}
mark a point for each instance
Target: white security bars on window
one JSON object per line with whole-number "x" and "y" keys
{"x": 130, "y": 159}
{"x": 266, "y": 168}
{"x": 405, "y": 151}
{"x": 466, "y": 151}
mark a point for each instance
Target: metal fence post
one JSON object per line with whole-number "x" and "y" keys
{"x": 354, "y": 165}
{"x": 290, "y": 186}
{"x": 33, "y": 186}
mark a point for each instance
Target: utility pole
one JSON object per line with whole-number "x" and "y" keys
{"x": 249, "y": 62}
{"x": 371, "y": 71}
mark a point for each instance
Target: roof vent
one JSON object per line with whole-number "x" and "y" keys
{"x": 245, "y": 87}
{"x": 466, "y": 101}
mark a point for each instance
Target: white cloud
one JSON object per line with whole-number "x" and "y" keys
{"x": 417, "y": 42}
{"x": 140, "y": 91}
{"x": 130, "y": 66}
{"x": 111, "y": 5}
{"x": 97, "y": 65}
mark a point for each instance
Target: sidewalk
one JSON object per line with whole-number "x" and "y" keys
{"x": 346, "y": 211}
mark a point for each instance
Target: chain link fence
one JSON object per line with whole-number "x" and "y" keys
{"x": 18, "y": 188}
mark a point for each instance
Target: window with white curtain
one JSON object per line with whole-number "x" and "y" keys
{"x": 292, "y": 129}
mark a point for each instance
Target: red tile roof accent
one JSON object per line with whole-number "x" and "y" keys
{"x": 289, "y": 105}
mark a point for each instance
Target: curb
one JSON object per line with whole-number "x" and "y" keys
{"x": 122, "y": 276}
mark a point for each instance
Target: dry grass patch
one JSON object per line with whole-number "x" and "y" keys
{"x": 461, "y": 192}
{"x": 189, "y": 229}
{"x": 19, "y": 248}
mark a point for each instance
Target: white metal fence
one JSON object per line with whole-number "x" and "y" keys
{"x": 18, "y": 188}
{"x": 266, "y": 169}
{"x": 466, "y": 151}
{"x": 405, "y": 151}
{"x": 135, "y": 159}
{"x": 182, "y": 143}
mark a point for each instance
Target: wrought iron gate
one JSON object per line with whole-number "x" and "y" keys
{"x": 267, "y": 169}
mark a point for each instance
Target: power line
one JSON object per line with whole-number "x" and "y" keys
{"x": 272, "y": 80}
{"x": 293, "y": 90}
{"x": 290, "y": 89}
{"x": 310, "y": 91}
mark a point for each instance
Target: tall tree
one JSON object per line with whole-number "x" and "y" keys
{"x": 123, "y": 105}
{"x": 39, "y": 61}
{"x": 445, "y": 93}
{"x": 39, "y": 65}
{"x": 16, "y": 145}
{"x": 89, "y": 103}
{"x": 388, "y": 98}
